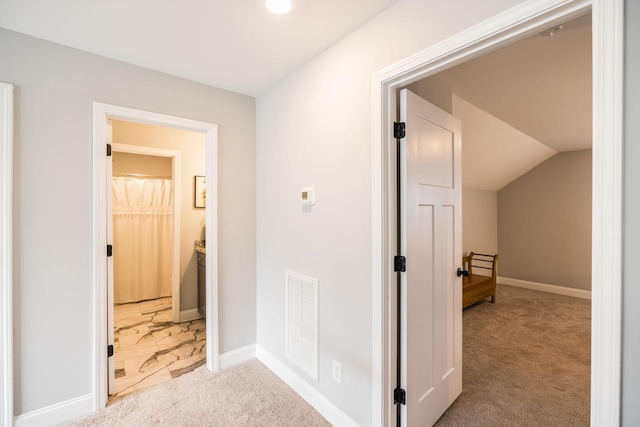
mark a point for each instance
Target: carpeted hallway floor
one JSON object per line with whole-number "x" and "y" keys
{"x": 526, "y": 362}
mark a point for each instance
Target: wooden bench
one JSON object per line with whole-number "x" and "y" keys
{"x": 476, "y": 287}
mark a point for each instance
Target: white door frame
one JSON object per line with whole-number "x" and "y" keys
{"x": 101, "y": 113}
{"x": 175, "y": 251}
{"x": 6, "y": 255}
{"x": 518, "y": 22}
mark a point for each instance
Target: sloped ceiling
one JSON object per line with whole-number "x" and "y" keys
{"x": 539, "y": 86}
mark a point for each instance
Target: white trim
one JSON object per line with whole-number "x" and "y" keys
{"x": 545, "y": 287}
{"x": 177, "y": 185}
{"x": 101, "y": 113}
{"x": 606, "y": 278}
{"x": 522, "y": 20}
{"x": 189, "y": 315}
{"x": 57, "y": 413}
{"x": 6, "y": 255}
{"x": 316, "y": 399}
{"x": 238, "y": 355}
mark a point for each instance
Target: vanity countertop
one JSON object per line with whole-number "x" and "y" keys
{"x": 201, "y": 247}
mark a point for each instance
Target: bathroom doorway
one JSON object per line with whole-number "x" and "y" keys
{"x": 176, "y": 336}
{"x": 152, "y": 343}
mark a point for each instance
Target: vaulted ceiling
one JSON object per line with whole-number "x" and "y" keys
{"x": 539, "y": 87}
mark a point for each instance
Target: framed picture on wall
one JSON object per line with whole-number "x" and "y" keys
{"x": 200, "y": 192}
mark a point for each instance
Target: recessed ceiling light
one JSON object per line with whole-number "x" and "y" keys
{"x": 280, "y": 6}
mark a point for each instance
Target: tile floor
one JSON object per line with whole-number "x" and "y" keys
{"x": 149, "y": 348}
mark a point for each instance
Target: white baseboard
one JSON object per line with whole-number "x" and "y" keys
{"x": 321, "y": 404}
{"x": 58, "y": 413}
{"x": 189, "y": 315}
{"x": 554, "y": 289}
{"x": 236, "y": 356}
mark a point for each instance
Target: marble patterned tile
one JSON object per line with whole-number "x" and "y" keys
{"x": 128, "y": 384}
{"x": 136, "y": 350}
{"x": 132, "y": 322}
{"x": 158, "y": 377}
{"x": 146, "y": 363}
{"x": 121, "y": 312}
{"x": 140, "y": 337}
{"x": 150, "y": 348}
{"x": 175, "y": 341}
{"x": 175, "y": 373}
{"x": 154, "y": 305}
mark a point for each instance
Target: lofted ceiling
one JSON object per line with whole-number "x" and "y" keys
{"x": 523, "y": 103}
{"x": 231, "y": 44}
{"x": 539, "y": 85}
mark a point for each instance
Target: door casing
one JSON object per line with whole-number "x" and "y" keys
{"x": 518, "y": 22}
{"x": 6, "y": 254}
{"x": 102, "y": 113}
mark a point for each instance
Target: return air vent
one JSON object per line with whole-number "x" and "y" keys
{"x": 302, "y": 322}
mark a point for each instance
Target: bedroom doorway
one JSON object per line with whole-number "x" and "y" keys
{"x": 186, "y": 312}
{"x": 485, "y": 37}
{"x": 524, "y": 156}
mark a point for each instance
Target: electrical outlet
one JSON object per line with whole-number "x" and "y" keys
{"x": 336, "y": 372}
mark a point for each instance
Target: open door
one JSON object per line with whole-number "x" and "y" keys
{"x": 429, "y": 157}
{"x": 111, "y": 373}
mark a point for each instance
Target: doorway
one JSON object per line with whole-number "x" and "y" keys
{"x": 103, "y": 113}
{"x": 606, "y": 204}
{"x": 151, "y": 341}
{"x": 541, "y": 167}
{"x": 6, "y": 249}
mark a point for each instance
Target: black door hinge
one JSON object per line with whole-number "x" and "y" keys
{"x": 108, "y": 150}
{"x": 399, "y": 396}
{"x": 110, "y": 350}
{"x": 109, "y": 250}
{"x": 398, "y": 130}
{"x": 399, "y": 263}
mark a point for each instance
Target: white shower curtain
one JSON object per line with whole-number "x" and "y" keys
{"x": 142, "y": 238}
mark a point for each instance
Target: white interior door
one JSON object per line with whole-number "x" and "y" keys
{"x": 111, "y": 375}
{"x": 431, "y": 200}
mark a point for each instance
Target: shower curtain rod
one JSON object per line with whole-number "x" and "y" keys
{"x": 140, "y": 175}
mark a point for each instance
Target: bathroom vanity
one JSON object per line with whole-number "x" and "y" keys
{"x": 201, "y": 253}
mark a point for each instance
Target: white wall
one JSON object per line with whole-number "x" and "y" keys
{"x": 314, "y": 129}
{"x": 479, "y": 221}
{"x": 544, "y": 223}
{"x": 55, "y": 90}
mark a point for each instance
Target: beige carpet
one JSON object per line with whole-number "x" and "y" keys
{"x": 526, "y": 362}
{"x": 247, "y": 394}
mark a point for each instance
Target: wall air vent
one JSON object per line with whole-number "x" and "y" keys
{"x": 301, "y": 309}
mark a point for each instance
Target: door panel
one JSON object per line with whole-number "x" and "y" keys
{"x": 431, "y": 200}
{"x": 432, "y": 159}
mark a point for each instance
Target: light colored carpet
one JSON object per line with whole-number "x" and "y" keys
{"x": 526, "y": 362}
{"x": 247, "y": 394}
